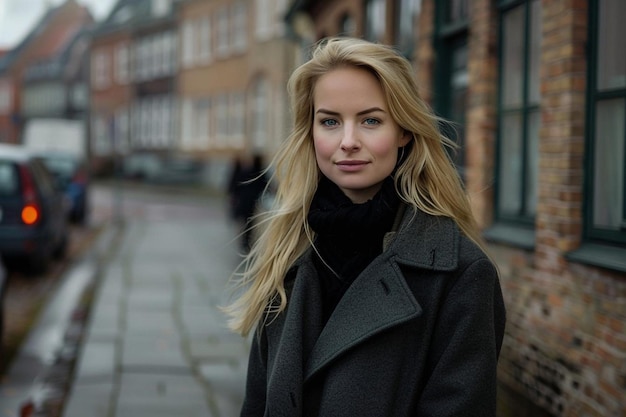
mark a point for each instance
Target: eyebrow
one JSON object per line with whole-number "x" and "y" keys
{"x": 361, "y": 113}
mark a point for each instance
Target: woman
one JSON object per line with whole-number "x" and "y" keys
{"x": 368, "y": 286}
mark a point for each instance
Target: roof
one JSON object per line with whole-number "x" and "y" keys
{"x": 66, "y": 55}
{"x": 131, "y": 14}
{"x": 7, "y": 59}
{"x": 53, "y": 43}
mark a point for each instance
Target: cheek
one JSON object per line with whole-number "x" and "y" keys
{"x": 385, "y": 149}
{"x": 323, "y": 148}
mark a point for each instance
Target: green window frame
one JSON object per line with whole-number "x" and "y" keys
{"x": 451, "y": 77}
{"x": 605, "y": 164}
{"x": 519, "y": 116}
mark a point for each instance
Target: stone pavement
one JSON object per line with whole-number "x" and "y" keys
{"x": 156, "y": 344}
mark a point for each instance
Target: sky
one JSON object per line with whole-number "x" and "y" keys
{"x": 17, "y": 17}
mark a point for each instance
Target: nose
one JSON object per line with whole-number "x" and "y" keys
{"x": 350, "y": 141}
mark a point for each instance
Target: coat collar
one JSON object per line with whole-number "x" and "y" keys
{"x": 424, "y": 241}
{"x": 380, "y": 298}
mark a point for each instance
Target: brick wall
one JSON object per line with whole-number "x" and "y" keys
{"x": 564, "y": 352}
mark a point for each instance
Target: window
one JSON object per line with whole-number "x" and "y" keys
{"x": 188, "y": 43}
{"x": 606, "y": 134}
{"x": 200, "y": 133}
{"x": 280, "y": 9}
{"x": 6, "y": 97}
{"x": 259, "y": 115}
{"x": 122, "y": 61}
{"x": 161, "y": 8}
{"x": 375, "y": 16}
{"x": 519, "y": 114}
{"x": 223, "y": 23}
{"x": 236, "y": 121}
{"x": 100, "y": 73}
{"x": 204, "y": 40}
{"x": 239, "y": 26}
{"x": 406, "y": 25}
{"x": 222, "y": 120}
{"x": 452, "y": 76}
{"x": 347, "y": 26}
{"x": 121, "y": 131}
{"x": 263, "y": 19}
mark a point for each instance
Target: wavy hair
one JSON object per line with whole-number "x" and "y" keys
{"x": 426, "y": 178}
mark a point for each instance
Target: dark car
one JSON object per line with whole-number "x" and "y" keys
{"x": 33, "y": 211}
{"x": 71, "y": 173}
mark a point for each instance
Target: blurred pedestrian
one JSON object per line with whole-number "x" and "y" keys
{"x": 369, "y": 287}
{"x": 246, "y": 186}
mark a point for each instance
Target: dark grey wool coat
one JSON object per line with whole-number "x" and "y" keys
{"x": 418, "y": 333}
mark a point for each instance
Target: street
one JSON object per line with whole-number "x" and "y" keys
{"x": 155, "y": 342}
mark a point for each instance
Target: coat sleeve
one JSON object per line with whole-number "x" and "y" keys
{"x": 464, "y": 352}
{"x": 256, "y": 380}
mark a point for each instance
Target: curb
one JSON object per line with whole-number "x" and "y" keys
{"x": 53, "y": 384}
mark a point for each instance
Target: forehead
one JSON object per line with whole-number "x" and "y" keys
{"x": 346, "y": 85}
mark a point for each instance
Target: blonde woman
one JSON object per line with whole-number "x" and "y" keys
{"x": 367, "y": 286}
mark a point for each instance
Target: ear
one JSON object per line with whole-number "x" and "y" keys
{"x": 405, "y": 138}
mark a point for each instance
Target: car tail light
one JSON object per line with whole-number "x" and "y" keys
{"x": 31, "y": 212}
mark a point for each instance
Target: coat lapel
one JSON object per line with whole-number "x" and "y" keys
{"x": 380, "y": 298}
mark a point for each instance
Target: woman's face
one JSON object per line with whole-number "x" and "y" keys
{"x": 355, "y": 138}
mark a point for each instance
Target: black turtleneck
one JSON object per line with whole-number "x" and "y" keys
{"x": 349, "y": 236}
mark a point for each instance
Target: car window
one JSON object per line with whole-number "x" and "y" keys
{"x": 9, "y": 182}
{"x": 64, "y": 167}
{"x": 43, "y": 178}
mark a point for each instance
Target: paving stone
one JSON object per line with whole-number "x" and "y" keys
{"x": 225, "y": 381}
{"x": 153, "y": 353}
{"x": 97, "y": 361}
{"x": 89, "y": 400}
{"x": 161, "y": 395}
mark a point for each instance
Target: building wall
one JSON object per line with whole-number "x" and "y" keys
{"x": 110, "y": 99}
{"x": 213, "y": 80}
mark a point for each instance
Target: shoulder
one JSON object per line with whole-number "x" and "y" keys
{"x": 433, "y": 242}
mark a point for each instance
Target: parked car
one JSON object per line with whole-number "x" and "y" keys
{"x": 72, "y": 174}
{"x": 33, "y": 211}
{"x": 142, "y": 166}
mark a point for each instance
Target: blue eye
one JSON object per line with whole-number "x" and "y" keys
{"x": 371, "y": 121}
{"x": 329, "y": 122}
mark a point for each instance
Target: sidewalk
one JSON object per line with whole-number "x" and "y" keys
{"x": 155, "y": 343}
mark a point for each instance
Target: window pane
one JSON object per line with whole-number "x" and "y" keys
{"x": 608, "y": 184}
{"x": 406, "y": 12}
{"x": 611, "y": 51}
{"x": 532, "y": 162}
{"x": 535, "y": 52}
{"x": 375, "y": 20}
{"x": 348, "y": 26}
{"x": 510, "y": 185}
{"x": 512, "y": 57}
{"x": 456, "y": 11}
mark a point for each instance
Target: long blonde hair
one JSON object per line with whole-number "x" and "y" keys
{"x": 426, "y": 179}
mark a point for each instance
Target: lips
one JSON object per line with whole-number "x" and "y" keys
{"x": 351, "y": 165}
